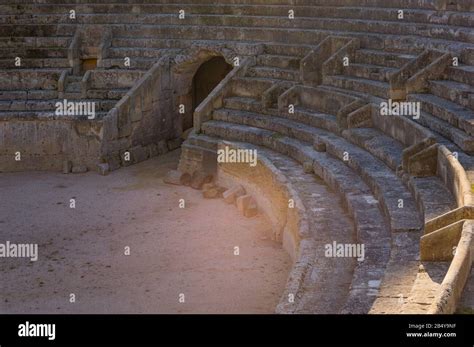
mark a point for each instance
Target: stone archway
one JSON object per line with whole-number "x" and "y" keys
{"x": 206, "y": 78}
{"x": 195, "y": 74}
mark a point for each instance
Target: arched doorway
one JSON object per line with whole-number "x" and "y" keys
{"x": 206, "y": 78}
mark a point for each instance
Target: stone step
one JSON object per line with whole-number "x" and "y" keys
{"x": 466, "y": 304}
{"x": 30, "y": 94}
{"x": 319, "y": 206}
{"x": 130, "y": 43}
{"x": 298, "y": 36}
{"x": 203, "y": 141}
{"x": 313, "y": 118}
{"x": 279, "y": 61}
{"x": 287, "y": 49}
{"x": 467, "y": 56}
{"x": 321, "y": 99}
{"x": 46, "y": 79}
{"x": 429, "y": 4}
{"x": 116, "y": 78}
{"x": 242, "y": 103}
{"x": 108, "y": 93}
{"x": 32, "y": 42}
{"x": 384, "y": 182}
{"x": 50, "y": 105}
{"x": 74, "y": 78}
{"x": 378, "y": 144}
{"x": 448, "y": 111}
{"x": 251, "y": 87}
{"x": 73, "y": 87}
{"x": 285, "y": 126}
{"x": 347, "y": 92}
{"x": 273, "y": 73}
{"x": 135, "y": 63}
{"x": 122, "y": 52}
{"x": 37, "y": 30}
{"x": 446, "y": 130}
{"x": 370, "y": 72}
{"x": 367, "y": 25}
{"x": 360, "y": 85}
{"x": 35, "y": 63}
{"x": 462, "y": 74}
{"x": 459, "y": 93}
{"x": 301, "y": 115}
{"x": 396, "y": 199}
{"x": 72, "y": 95}
{"x": 371, "y": 227}
{"x": 425, "y": 287}
{"x": 383, "y": 58}
{"x": 241, "y": 46}
{"x": 322, "y": 10}
{"x": 33, "y": 53}
{"x": 258, "y": 34}
{"x": 44, "y": 116}
{"x": 400, "y": 274}
{"x": 432, "y": 196}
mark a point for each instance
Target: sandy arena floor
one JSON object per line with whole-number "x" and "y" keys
{"x": 173, "y": 251}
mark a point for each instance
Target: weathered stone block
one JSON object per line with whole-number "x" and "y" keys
{"x": 113, "y": 159}
{"x": 186, "y": 179}
{"x": 319, "y": 145}
{"x": 173, "y": 177}
{"x": 211, "y": 191}
{"x": 136, "y": 109}
{"x": 199, "y": 178}
{"x": 139, "y": 154}
{"x": 308, "y": 167}
{"x": 247, "y": 206}
{"x": 67, "y": 166}
{"x": 152, "y": 149}
{"x": 233, "y": 193}
{"x": 174, "y": 143}
{"x": 103, "y": 169}
{"x": 162, "y": 147}
{"x": 76, "y": 169}
{"x": 111, "y": 131}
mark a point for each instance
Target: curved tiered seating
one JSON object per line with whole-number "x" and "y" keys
{"x": 394, "y": 175}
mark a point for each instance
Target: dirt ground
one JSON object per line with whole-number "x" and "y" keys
{"x": 173, "y": 251}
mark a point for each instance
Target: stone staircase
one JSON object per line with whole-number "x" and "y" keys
{"x": 344, "y": 161}
{"x": 369, "y": 73}
{"x": 365, "y": 150}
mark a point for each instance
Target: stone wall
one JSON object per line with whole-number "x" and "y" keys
{"x": 142, "y": 123}
{"x": 46, "y": 144}
{"x": 454, "y": 176}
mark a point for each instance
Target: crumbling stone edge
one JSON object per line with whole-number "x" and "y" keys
{"x": 293, "y": 225}
{"x": 453, "y": 283}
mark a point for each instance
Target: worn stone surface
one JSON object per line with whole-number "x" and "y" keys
{"x": 103, "y": 169}
{"x": 211, "y": 192}
{"x": 244, "y": 203}
{"x": 67, "y": 166}
{"x": 199, "y": 179}
{"x": 303, "y": 87}
{"x": 173, "y": 177}
{"x": 79, "y": 169}
{"x": 230, "y": 196}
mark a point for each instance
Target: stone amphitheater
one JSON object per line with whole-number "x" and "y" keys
{"x": 300, "y": 81}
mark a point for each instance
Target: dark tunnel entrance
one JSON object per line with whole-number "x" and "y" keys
{"x": 206, "y": 78}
